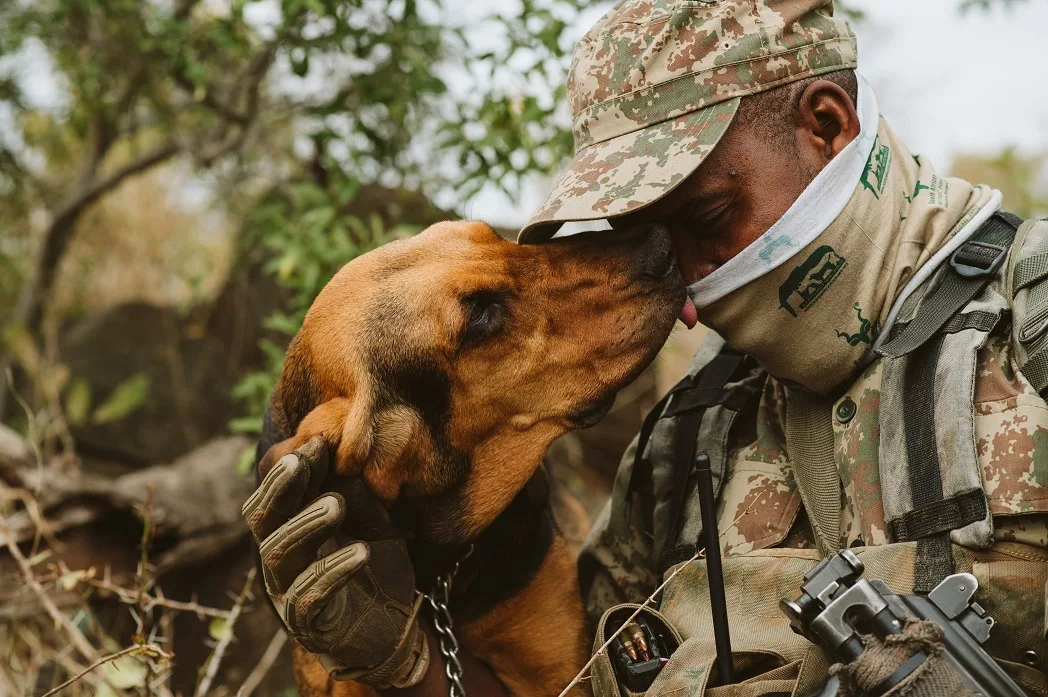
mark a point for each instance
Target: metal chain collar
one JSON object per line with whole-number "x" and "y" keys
{"x": 440, "y": 600}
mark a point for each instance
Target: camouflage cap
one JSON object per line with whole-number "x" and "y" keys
{"x": 655, "y": 84}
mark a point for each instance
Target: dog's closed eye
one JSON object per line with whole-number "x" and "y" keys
{"x": 486, "y": 314}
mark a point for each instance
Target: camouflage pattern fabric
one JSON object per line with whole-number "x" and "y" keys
{"x": 768, "y": 543}
{"x": 655, "y": 84}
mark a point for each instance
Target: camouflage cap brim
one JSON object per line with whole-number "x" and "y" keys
{"x": 631, "y": 171}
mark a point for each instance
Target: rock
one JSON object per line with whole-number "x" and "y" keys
{"x": 189, "y": 376}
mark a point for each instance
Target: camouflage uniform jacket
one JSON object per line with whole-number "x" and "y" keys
{"x": 766, "y": 537}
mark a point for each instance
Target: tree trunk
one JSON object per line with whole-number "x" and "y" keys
{"x": 59, "y": 234}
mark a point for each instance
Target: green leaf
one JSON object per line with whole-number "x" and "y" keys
{"x": 125, "y": 672}
{"x": 23, "y": 348}
{"x": 125, "y": 398}
{"x": 219, "y": 629}
{"x": 69, "y": 580}
{"x": 246, "y": 462}
{"x": 246, "y": 424}
{"x": 285, "y": 324}
{"x": 78, "y": 402}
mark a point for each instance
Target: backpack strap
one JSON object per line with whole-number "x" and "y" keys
{"x": 671, "y": 436}
{"x": 690, "y": 406}
{"x": 1029, "y": 292}
{"x": 974, "y": 264}
{"x": 692, "y": 395}
{"x": 927, "y": 407}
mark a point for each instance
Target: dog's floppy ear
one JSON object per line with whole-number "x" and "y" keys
{"x": 299, "y": 409}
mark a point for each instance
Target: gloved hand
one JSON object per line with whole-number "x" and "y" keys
{"x": 338, "y": 572}
{"x": 933, "y": 678}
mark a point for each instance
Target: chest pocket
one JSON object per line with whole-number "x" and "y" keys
{"x": 696, "y": 416}
{"x": 759, "y": 499}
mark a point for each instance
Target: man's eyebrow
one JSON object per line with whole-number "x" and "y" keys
{"x": 706, "y": 199}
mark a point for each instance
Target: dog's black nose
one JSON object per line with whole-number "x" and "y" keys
{"x": 656, "y": 254}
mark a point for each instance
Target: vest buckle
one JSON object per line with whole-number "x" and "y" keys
{"x": 975, "y": 259}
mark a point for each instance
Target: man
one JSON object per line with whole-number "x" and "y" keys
{"x": 885, "y": 387}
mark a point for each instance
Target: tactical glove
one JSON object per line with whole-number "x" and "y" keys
{"x": 337, "y": 571}
{"x": 935, "y": 677}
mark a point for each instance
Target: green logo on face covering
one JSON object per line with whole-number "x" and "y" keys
{"x": 916, "y": 191}
{"x": 810, "y": 280}
{"x": 866, "y": 329}
{"x": 875, "y": 175}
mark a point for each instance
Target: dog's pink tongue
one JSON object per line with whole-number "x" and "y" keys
{"x": 688, "y": 314}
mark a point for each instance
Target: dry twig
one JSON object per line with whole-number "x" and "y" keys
{"x": 227, "y": 638}
{"x": 151, "y": 650}
{"x": 148, "y": 602}
{"x": 75, "y": 636}
{"x": 270, "y": 656}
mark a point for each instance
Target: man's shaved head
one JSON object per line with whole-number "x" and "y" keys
{"x": 773, "y": 114}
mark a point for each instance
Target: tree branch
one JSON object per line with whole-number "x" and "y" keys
{"x": 220, "y": 648}
{"x": 75, "y": 636}
{"x": 150, "y": 649}
{"x": 148, "y": 602}
{"x": 60, "y": 232}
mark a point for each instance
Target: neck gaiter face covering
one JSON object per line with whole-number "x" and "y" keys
{"x": 808, "y": 298}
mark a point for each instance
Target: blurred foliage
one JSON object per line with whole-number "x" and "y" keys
{"x": 242, "y": 87}
{"x": 855, "y": 14}
{"x": 1020, "y": 177}
{"x": 308, "y": 235}
{"x": 967, "y": 5}
{"x": 279, "y": 110}
{"x": 58, "y": 400}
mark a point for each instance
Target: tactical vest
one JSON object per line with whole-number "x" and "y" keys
{"x": 933, "y": 488}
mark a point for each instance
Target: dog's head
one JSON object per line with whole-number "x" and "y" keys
{"x": 440, "y": 368}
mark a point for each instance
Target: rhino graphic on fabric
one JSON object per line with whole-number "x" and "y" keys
{"x": 810, "y": 280}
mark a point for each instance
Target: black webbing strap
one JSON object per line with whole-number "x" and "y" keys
{"x": 974, "y": 265}
{"x": 693, "y": 394}
{"x": 640, "y": 475}
{"x": 934, "y": 560}
{"x": 689, "y": 409}
{"x": 941, "y": 516}
{"x": 977, "y": 319}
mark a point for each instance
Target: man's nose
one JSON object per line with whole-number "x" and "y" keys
{"x": 655, "y": 259}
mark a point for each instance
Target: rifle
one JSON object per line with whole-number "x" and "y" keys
{"x": 834, "y": 606}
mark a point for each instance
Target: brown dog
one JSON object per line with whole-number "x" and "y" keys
{"x": 439, "y": 369}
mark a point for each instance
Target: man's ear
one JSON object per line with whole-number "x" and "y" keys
{"x": 827, "y": 122}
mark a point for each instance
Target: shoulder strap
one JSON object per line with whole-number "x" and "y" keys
{"x": 921, "y": 344}
{"x": 690, "y": 405}
{"x": 933, "y": 515}
{"x": 684, "y": 412}
{"x": 974, "y": 264}
{"x": 694, "y": 394}
{"x": 1030, "y": 274}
